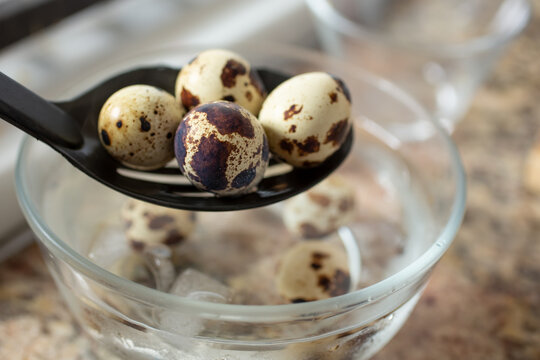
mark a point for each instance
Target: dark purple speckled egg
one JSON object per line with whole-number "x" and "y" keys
{"x": 222, "y": 148}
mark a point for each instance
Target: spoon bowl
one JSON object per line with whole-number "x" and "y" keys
{"x": 70, "y": 128}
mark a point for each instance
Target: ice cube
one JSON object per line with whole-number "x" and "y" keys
{"x": 196, "y": 285}
{"x": 132, "y": 267}
{"x": 353, "y": 253}
{"x": 382, "y": 245}
{"x": 158, "y": 260}
{"x": 127, "y": 339}
{"x": 179, "y": 323}
{"x": 108, "y": 247}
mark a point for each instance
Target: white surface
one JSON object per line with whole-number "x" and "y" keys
{"x": 128, "y": 25}
{"x": 118, "y": 26}
{"x": 10, "y": 214}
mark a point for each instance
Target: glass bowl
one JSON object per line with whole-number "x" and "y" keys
{"x": 409, "y": 195}
{"x": 437, "y": 50}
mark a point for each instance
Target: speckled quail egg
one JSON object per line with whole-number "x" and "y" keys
{"x": 222, "y": 148}
{"x": 218, "y": 74}
{"x": 306, "y": 118}
{"x": 147, "y": 224}
{"x": 137, "y": 124}
{"x": 322, "y": 209}
{"x": 134, "y": 268}
{"x": 312, "y": 271}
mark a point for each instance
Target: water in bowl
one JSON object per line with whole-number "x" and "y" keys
{"x": 233, "y": 257}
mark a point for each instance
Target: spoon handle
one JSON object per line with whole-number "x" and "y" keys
{"x": 37, "y": 116}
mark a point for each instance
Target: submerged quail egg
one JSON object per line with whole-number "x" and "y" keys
{"x": 222, "y": 148}
{"x": 306, "y": 118}
{"x": 134, "y": 268}
{"x": 322, "y": 209}
{"x": 136, "y": 126}
{"x": 220, "y": 75}
{"x": 148, "y": 224}
{"x": 312, "y": 271}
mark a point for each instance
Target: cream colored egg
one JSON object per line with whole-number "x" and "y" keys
{"x": 137, "y": 124}
{"x": 313, "y": 270}
{"x": 134, "y": 268}
{"x": 306, "y": 118}
{"x": 322, "y": 209}
{"x": 147, "y": 224}
{"x": 220, "y": 75}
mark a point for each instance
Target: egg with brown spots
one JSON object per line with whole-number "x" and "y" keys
{"x": 218, "y": 74}
{"x": 306, "y": 118}
{"x": 136, "y": 126}
{"x": 313, "y": 270}
{"x": 222, "y": 148}
{"x": 148, "y": 224}
{"x": 322, "y": 209}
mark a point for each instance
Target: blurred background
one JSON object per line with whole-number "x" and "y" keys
{"x": 484, "y": 299}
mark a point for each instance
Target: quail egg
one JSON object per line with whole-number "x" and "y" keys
{"x": 147, "y": 224}
{"x": 322, "y": 209}
{"x": 312, "y": 271}
{"x": 134, "y": 268}
{"x": 220, "y": 75}
{"x": 222, "y": 148}
{"x": 137, "y": 124}
{"x": 306, "y": 118}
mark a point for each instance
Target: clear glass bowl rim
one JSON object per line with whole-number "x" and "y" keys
{"x": 234, "y": 312}
{"x": 335, "y": 20}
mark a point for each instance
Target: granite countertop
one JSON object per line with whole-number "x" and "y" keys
{"x": 483, "y": 300}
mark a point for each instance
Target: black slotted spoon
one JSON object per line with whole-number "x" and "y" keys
{"x": 70, "y": 128}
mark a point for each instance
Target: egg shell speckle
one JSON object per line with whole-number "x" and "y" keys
{"x": 147, "y": 224}
{"x": 312, "y": 271}
{"x": 136, "y": 126}
{"x": 306, "y": 118}
{"x": 222, "y": 148}
{"x": 322, "y": 209}
{"x": 218, "y": 74}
